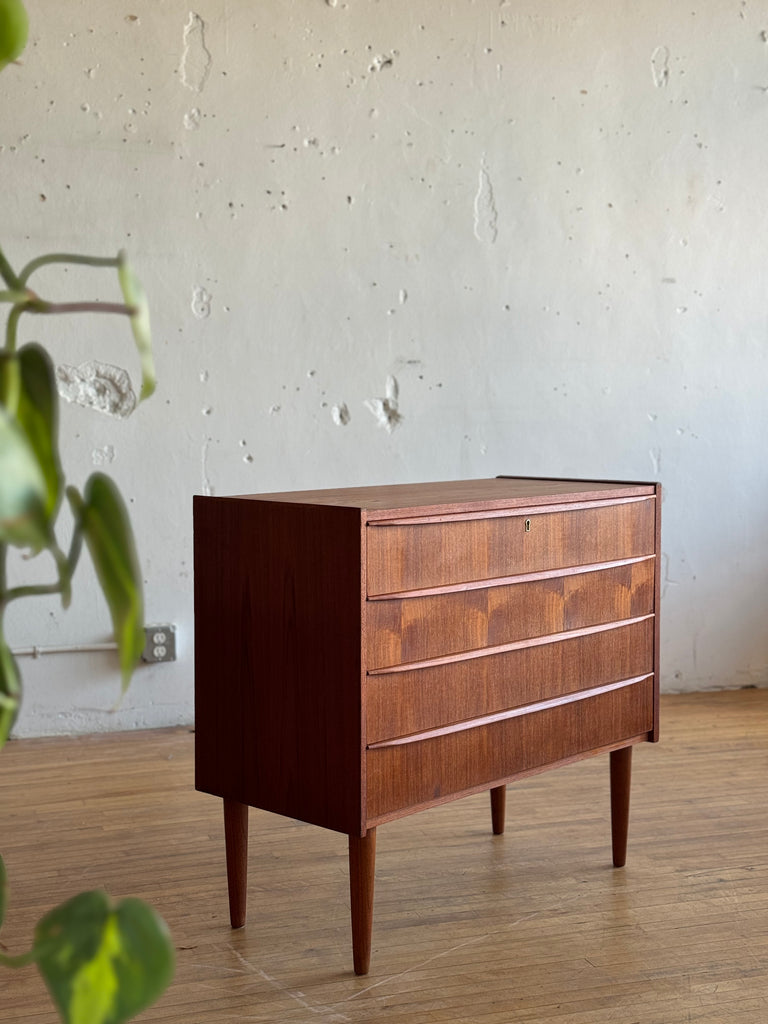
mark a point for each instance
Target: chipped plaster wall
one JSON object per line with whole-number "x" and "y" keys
{"x": 405, "y": 239}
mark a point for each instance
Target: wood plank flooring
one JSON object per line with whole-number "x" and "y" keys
{"x": 533, "y": 927}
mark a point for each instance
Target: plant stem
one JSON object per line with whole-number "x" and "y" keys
{"x": 11, "y": 327}
{"x": 3, "y": 583}
{"x": 65, "y": 564}
{"x": 34, "y": 304}
{"x": 33, "y": 590}
{"x": 41, "y": 306}
{"x": 65, "y": 257}
{"x": 7, "y": 273}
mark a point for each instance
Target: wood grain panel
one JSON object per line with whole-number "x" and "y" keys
{"x": 451, "y": 496}
{"x": 408, "y": 702}
{"x": 404, "y": 558}
{"x": 416, "y": 775}
{"x": 412, "y": 629}
{"x": 278, "y": 662}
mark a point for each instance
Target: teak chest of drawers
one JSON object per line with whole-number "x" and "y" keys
{"x": 361, "y": 654}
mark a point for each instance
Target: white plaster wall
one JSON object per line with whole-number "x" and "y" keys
{"x": 534, "y": 229}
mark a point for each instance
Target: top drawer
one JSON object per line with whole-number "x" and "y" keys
{"x": 417, "y": 556}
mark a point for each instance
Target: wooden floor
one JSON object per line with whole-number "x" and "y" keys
{"x": 534, "y": 926}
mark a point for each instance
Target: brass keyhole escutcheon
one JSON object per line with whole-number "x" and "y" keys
{"x": 527, "y": 525}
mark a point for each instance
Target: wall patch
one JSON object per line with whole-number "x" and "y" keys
{"x": 196, "y": 59}
{"x": 486, "y": 216}
{"x": 98, "y": 386}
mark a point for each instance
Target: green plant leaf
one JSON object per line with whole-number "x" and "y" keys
{"x": 135, "y": 296}
{"x": 14, "y": 30}
{"x": 103, "y": 963}
{"x": 10, "y": 381}
{"x": 10, "y": 694}
{"x": 107, "y": 530}
{"x": 23, "y": 489}
{"x": 38, "y": 415}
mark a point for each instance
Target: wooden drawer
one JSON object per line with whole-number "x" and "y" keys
{"x": 402, "y": 703}
{"x": 414, "y": 775}
{"x": 401, "y": 630}
{"x": 413, "y": 556}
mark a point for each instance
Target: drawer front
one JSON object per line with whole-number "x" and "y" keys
{"x": 402, "y": 630}
{"x": 414, "y": 775}
{"x": 424, "y": 555}
{"x": 406, "y": 702}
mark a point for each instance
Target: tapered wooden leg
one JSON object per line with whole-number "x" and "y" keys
{"x": 498, "y": 809}
{"x": 621, "y": 776}
{"x": 362, "y": 864}
{"x": 236, "y": 841}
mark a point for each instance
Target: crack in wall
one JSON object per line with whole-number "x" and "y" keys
{"x": 206, "y": 488}
{"x": 486, "y": 215}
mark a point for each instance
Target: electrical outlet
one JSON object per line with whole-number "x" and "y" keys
{"x": 159, "y": 643}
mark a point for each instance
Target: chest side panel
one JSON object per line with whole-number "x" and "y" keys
{"x": 278, "y": 659}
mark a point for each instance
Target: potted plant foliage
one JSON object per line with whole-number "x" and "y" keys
{"x": 103, "y": 962}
